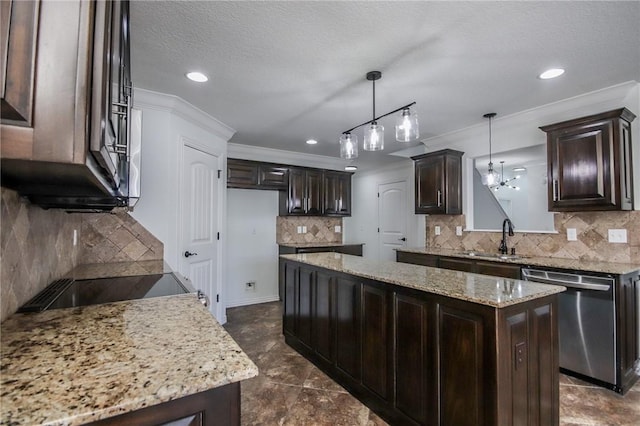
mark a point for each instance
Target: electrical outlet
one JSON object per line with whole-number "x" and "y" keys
{"x": 459, "y": 231}
{"x": 337, "y": 229}
{"x": 250, "y": 286}
{"x": 572, "y": 235}
{"x": 299, "y": 229}
{"x": 437, "y": 230}
{"x": 304, "y": 229}
{"x": 617, "y": 235}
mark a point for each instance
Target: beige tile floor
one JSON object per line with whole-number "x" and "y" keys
{"x": 292, "y": 391}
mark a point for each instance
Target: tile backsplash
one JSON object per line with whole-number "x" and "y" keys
{"x": 37, "y": 246}
{"x": 592, "y": 229}
{"x": 319, "y": 229}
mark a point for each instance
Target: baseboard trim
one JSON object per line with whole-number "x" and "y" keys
{"x": 252, "y": 301}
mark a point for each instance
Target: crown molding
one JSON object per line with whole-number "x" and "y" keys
{"x": 177, "y": 106}
{"x": 256, "y": 153}
{"x": 521, "y": 129}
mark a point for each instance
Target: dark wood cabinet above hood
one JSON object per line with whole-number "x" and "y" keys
{"x": 66, "y": 99}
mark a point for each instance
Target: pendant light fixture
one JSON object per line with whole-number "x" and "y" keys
{"x": 491, "y": 177}
{"x": 406, "y": 127}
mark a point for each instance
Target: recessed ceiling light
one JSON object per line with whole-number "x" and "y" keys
{"x": 197, "y": 77}
{"x": 312, "y": 142}
{"x": 551, "y": 73}
{"x": 351, "y": 168}
{"x": 519, "y": 169}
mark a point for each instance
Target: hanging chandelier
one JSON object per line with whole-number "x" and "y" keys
{"x": 491, "y": 177}
{"x": 407, "y": 129}
{"x": 504, "y": 183}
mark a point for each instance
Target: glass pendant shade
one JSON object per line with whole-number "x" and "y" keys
{"x": 374, "y": 137}
{"x": 491, "y": 177}
{"x": 348, "y": 146}
{"x": 407, "y": 129}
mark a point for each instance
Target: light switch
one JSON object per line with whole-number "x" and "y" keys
{"x": 437, "y": 230}
{"x": 459, "y": 231}
{"x": 572, "y": 235}
{"x": 617, "y": 235}
{"x": 338, "y": 229}
{"x": 299, "y": 229}
{"x": 304, "y": 229}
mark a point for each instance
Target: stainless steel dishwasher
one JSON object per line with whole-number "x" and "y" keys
{"x": 586, "y": 322}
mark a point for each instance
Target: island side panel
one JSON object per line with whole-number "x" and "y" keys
{"x": 419, "y": 358}
{"x": 528, "y": 369}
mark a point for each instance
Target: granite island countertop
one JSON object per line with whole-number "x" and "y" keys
{"x": 549, "y": 262}
{"x": 72, "y": 366}
{"x": 321, "y": 244}
{"x": 481, "y": 289}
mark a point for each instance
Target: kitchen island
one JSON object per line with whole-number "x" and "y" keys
{"x": 146, "y": 361}
{"x": 426, "y": 346}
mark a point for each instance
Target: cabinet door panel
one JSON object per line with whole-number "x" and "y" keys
{"x": 429, "y": 185}
{"x": 273, "y": 176}
{"x": 415, "y": 384}
{"x": 19, "y": 28}
{"x": 297, "y": 185}
{"x": 583, "y": 165}
{"x": 348, "y": 337}
{"x": 241, "y": 174}
{"x": 303, "y": 330}
{"x": 322, "y": 326}
{"x": 290, "y": 293}
{"x": 498, "y": 269}
{"x": 315, "y": 192}
{"x": 456, "y": 264}
{"x": 461, "y": 367}
{"x": 375, "y": 340}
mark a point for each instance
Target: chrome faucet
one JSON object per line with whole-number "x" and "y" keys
{"x": 503, "y": 244}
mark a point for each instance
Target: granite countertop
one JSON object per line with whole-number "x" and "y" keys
{"x": 72, "y": 366}
{"x": 481, "y": 289}
{"x": 306, "y": 245}
{"x": 549, "y": 262}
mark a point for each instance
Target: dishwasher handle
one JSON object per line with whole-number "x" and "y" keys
{"x": 528, "y": 276}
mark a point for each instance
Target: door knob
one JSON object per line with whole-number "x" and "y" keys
{"x": 188, "y": 253}
{"x": 402, "y": 239}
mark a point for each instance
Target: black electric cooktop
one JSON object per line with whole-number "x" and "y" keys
{"x": 68, "y": 293}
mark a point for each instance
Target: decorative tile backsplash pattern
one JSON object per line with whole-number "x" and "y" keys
{"x": 592, "y": 229}
{"x": 116, "y": 238}
{"x": 319, "y": 229}
{"x": 37, "y": 246}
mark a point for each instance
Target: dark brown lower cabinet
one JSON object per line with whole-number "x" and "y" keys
{"x": 417, "y": 358}
{"x": 218, "y": 406}
{"x": 348, "y": 326}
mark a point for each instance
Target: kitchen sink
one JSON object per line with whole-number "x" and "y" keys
{"x": 491, "y": 255}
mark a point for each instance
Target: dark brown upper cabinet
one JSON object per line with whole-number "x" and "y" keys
{"x": 337, "y": 193}
{"x": 590, "y": 163}
{"x": 66, "y": 98}
{"x": 306, "y": 192}
{"x": 438, "y": 182}
{"x": 248, "y": 174}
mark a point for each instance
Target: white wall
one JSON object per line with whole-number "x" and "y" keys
{"x": 168, "y": 123}
{"x": 362, "y": 226}
{"x": 252, "y": 252}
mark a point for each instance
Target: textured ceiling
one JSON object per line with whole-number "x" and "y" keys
{"x": 284, "y": 72}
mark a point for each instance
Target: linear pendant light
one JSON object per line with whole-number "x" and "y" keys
{"x": 406, "y": 127}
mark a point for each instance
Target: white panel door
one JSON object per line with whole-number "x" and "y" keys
{"x": 200, "y": 222}
{"x": 392, "y": 218}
